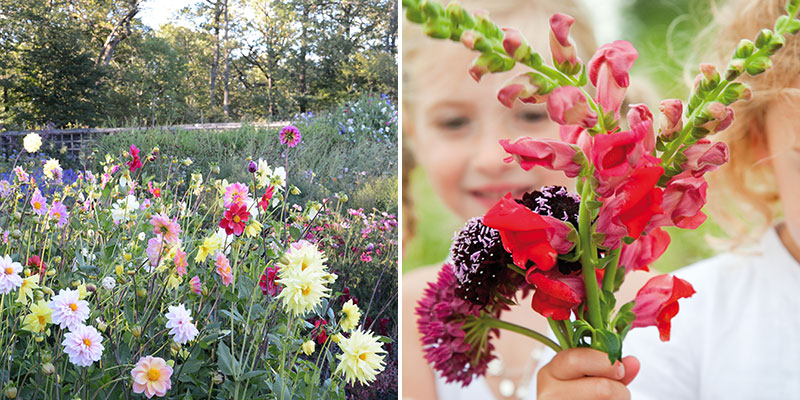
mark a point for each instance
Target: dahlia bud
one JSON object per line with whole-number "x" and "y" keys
{"x": 136, "y": 331}
{"x": 101, "y": 325}
{"x": 174, "y": 347}
{"x": 11, "y": 392}
{"x": 48, "y": 368}
{"x": 218, "y": 378}
{"x": 141, "y": 292}
{"x": 252, "y": 167}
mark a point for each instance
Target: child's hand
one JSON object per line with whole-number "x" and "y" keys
{"x": 583, "y": 373}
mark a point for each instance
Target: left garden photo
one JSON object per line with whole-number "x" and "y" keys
{"x": 198, "y": 199}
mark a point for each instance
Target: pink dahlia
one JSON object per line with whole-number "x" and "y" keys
{"x": 441, "y": 318}
{"x": 69, "y": 311}
{"x": 267, "y": 282}
{"x": 151, "y": 377}
{"x": 83, "y": 345}
{"x": 179, "y": 322}
{"x": 39, "y": 203}
{"x": 59, "y": 213}
{"x": 235, "y": 193}
{"x": 163, "y": 225}
{"x": 224, "y": 269}
{"x": 196, "y": 285}
{"x": 234, "y": 219}
{"x": 290, "y": 135}
{"x": 135, "y": 162}
{"x": 9, "y": 274}
{"x": 180, "y": 262}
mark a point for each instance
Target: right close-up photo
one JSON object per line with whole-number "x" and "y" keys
{"x": 598, "y": 199}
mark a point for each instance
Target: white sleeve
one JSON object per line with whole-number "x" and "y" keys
{"x": 669, "y": 370}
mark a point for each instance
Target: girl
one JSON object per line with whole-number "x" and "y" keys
{"x": 735, "y": 337}
{"x": 452, "y": 126}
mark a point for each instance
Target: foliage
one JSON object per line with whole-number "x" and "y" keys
{"x": 216, "y": 60}
{"x": 248, "y": 345}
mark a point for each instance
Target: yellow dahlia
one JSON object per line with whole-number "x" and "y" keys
{"x": 351, "y": 315}
{"x": 361, "y": 358}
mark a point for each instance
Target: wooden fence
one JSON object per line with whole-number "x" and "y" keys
{"x": 75, "y": 139}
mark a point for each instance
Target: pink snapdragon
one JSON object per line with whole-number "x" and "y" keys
{"x": 684, "y": 197}
{"x": 657, "y": 303}
{"x": 645, "y": 250}
{"x": 672, "y": 109}
{"x": 705, "y": 156}
{"x": 561, "y": 46}
{"x": 567, "y": 106}
{"x": 527, "y": 88}
{"x": 549, "y": 153}
{"x": 608, "y": 72}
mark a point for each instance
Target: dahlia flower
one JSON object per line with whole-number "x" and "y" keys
{"x": 151, "y": 377}
{"x": 69, "y": 311}
{"x": 59, "y": 213}
{"x": 9, "y": 274}
{"x": 196, "y": 285}
{"x": 32, "y": 142}
{"x": 83, "y": 345}
{"x": 179, "y": 322}
{"x": 39, "y": 203}
{"x": 361, "y": 358}
{"x": 41, "y": 315}
{"x": 163, "y": 225}
{"x": 351, "y": 316}
{"x": 224, "y": 269}
{"x": 290, "y": 135}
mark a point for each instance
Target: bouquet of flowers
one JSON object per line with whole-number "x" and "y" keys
{"x": 574, "y": 249}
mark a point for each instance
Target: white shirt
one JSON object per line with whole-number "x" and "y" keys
{"x": 738, "y": 337}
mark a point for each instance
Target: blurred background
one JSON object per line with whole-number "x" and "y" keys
{"x": 665, "y": 33}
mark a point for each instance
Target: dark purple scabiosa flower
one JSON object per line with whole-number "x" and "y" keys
{"x": 480, "y": 264}
{"x": 442, "y": 321}
{"x": 290, "y": 135}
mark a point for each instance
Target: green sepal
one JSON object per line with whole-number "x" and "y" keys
{"x": 608, "y": 342}
{"x": 584, "y": 78}
{"x": 619, "y": 277}
{"x": 580, "y": 330}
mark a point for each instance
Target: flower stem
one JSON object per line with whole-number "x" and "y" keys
{"x": 557, "y": 330}
{"x": 611, "y": 270}
{"x": 496, "y": 323}
{"x": 587, "y": 264}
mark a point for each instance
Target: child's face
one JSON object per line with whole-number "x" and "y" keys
{"x": 783, "y": 138}
{"x": 455, "y": 126}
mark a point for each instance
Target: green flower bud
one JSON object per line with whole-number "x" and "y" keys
{"x": 16, "y": 234}
{"x": 735, "y": 91}
{"x": 764, "y": 38}
{"x": 11, "y": 392}
{"x": 48, "y": 368}
{"x": 219, "y": 378}
{"x": 136, "y": 331}
{"x": 744, "y": 49}
{"x": 757, "y": 65}
{"x": 141, "y": 292}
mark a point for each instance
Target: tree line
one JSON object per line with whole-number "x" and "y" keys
{"x": 74, "y": 63}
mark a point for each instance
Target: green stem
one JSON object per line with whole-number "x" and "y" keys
{"x": 611, "y": 270}
{"x": 562, "y": 339}
{"x": 496, "y": 323}
{"x": 566, "y": 325}
{"x": 517, "y": 269}
{"x": 587, "y": 263}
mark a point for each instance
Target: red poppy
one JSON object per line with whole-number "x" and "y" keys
{"x": 234, "y": 219}
{"x": 657, "y": 303}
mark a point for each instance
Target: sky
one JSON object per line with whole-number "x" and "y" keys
{"x": 154, "y": 13}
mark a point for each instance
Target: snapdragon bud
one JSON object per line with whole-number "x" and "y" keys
{"x": 757, "y": 65}
{"x": 744, "y": 49}
{"x": 515, "y": 44}
{"x": 735, "y": 91}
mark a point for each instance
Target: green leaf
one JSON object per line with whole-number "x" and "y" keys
{"x": 385, "y": 339}
{"x": 227, "y": 363}
{"x": 253, "y": 374}
{"x": 609, "y": 342}
{"x": 581, "y": 329}
{"x": 295, "y": 232}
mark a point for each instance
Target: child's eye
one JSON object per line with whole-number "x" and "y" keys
{"x": 532, "y": 116}
{"x": 454, "y": 123}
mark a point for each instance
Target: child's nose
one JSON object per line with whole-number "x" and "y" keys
{"x": 489, "y": 154}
